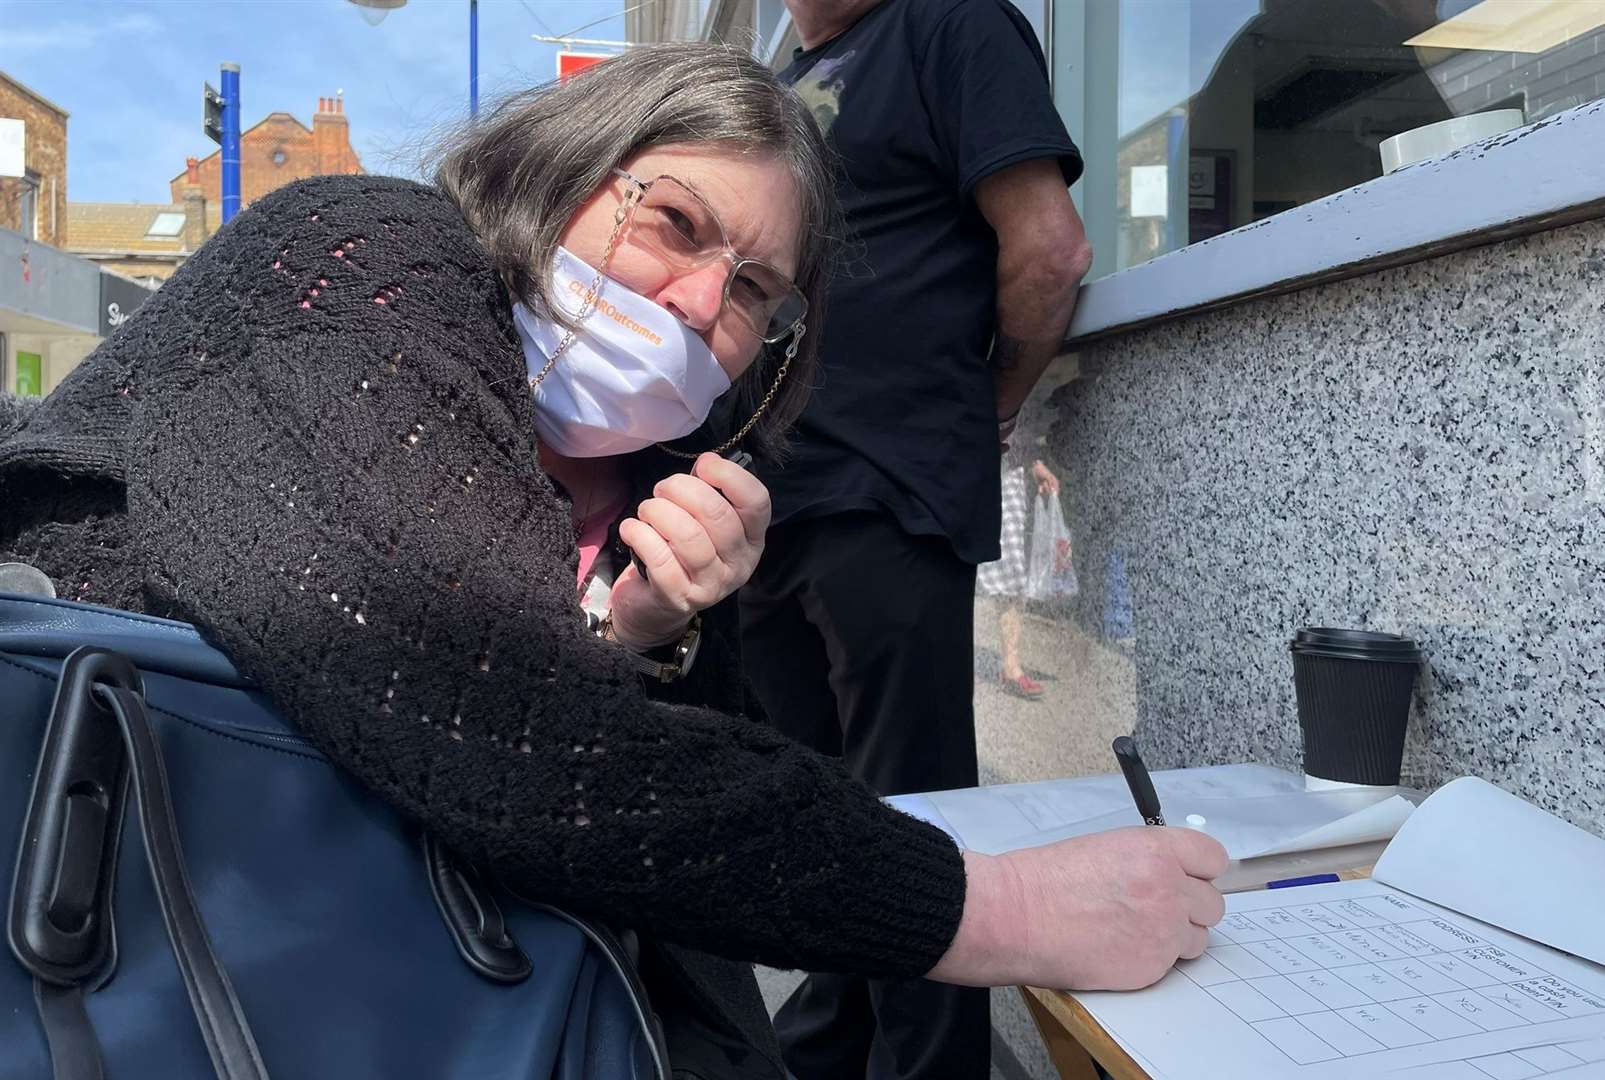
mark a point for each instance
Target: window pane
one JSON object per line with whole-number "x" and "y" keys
{"x": 1036, "y": 11}
{"x": 766, "y": 16}
{"x": 166, "y": 223}
{"x": 28, "y": 211}
{"x": 1199, "y": 116}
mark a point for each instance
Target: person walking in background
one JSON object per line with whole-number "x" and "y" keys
{"x": 858, "y": 625}
{"x": 1008, "y": 577}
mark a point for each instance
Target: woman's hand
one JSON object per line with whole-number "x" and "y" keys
{"x": 1110, "y": 911}
{"x": 700, "y": 537}
{"x": 1047, "y": 482}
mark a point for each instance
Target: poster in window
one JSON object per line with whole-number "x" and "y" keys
{"x": 30, "y": 374}
{"x": 1209, "y": 193}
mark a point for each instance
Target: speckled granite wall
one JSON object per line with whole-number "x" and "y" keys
{"x": 1421, "y": 451}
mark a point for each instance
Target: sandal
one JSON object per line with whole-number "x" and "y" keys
{"x": 1023, "y": 687}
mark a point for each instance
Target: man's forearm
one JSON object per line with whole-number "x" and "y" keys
{"x": 1042, "y": 256}
{"x": 1034, "y": 309}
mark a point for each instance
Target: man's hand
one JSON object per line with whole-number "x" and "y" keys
{"x": 700, "y": 537}
{"x": 1110, "y": 911}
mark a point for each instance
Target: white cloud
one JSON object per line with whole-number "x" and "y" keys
{"x": 130, "y": 73}
{"x": 83, "y": 33}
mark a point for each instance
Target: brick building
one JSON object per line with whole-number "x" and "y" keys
{"x": 144, "y": 241}
{"x": 148, "y": 241}
{"x": 50, "y": 301}
{"x": 277, "y": 150}
{"x": 35, "y": 205}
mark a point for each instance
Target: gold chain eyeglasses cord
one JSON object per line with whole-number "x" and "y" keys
{"x": 589, "y": 308}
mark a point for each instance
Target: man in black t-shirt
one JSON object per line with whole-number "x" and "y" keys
{"x": 965, "y": 253}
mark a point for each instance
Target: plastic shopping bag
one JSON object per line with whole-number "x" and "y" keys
{"x": 1050, "y": 572}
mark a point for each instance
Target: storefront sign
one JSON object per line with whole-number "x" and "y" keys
{"x": 119, "y": 297}
{"x": 570, "y": 63}
{"x": 13, "y": 148}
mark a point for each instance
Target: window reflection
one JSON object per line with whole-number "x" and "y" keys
{"x": 1200, "y": 116}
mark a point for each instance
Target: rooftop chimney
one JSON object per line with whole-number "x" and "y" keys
{"x": 194, "y": 206}
{"x": 331, "y": 137}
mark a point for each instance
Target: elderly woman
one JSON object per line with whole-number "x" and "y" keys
{"x": 387, "y": 444}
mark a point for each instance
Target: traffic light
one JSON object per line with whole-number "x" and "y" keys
{"x": 212, "y": 113}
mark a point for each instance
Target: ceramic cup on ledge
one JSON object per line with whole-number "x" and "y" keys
{"x": 1354, "y": 689}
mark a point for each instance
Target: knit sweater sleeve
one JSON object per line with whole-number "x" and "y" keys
{"x": 340, "y": 493}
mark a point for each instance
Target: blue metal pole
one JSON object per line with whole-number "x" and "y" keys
{"x": 231, "y": 141}
{"x": 473, "y": 57}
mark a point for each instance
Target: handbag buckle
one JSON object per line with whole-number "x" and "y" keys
{"x": 473, "y": 917}
{"x": 60, "y": 921}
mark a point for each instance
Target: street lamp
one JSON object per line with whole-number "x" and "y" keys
{"x": 374, "y": 12}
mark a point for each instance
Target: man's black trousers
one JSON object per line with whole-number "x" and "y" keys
{"x": 859, "y": 642}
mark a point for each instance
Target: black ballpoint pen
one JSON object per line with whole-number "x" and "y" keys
{"x": 1137, "y": 778}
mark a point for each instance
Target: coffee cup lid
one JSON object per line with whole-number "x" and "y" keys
{"x": 1355, "y": 644}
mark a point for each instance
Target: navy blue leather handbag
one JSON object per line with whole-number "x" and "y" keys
{"x": 198, "y": 892}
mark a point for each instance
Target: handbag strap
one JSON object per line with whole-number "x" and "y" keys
{"x": 473, "y": 917}
{"x": 69, "y": 853}
{"x": 217, "y": 1009}
{"x": 623, "y": 960}
{"x": 60, "y": 916}
{"x": 74, "y": 1050}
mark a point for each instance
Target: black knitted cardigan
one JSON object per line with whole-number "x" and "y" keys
{"x": 316, "y": 442}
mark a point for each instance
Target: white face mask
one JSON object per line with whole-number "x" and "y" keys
{"x": 634, "y": 375}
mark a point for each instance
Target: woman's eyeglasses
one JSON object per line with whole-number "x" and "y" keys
{"x": 677, "y": 225}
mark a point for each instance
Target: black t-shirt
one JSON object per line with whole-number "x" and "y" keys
{"x": 922, "y": 99}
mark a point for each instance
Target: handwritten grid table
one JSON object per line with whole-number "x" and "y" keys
{"x": 1345, "y": 978}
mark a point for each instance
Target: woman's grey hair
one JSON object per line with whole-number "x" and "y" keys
{"x": 521, "y": 173}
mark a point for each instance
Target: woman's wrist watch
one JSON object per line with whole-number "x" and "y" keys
{"x": 665, "y": 663}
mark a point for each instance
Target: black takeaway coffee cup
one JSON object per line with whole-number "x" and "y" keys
{"x": 1354, "y": 689}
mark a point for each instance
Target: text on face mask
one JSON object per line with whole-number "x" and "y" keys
{"x": 604, "y": 308}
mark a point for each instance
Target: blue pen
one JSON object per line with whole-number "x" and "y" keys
{"x": 1313, "y": 879}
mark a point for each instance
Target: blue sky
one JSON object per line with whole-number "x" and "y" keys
{"x": 130, "y": 71}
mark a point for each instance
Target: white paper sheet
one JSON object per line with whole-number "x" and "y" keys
{"x": 1251, "y": 809}
{"x": 1379, "y": 821}
{"x": 1003, "y": 816}
{"x": 1485, "y": 853}
{"x": 1563, "y": 1061}
{"x": 1355, "y": 979}
{"x": 1269, "y": 824}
